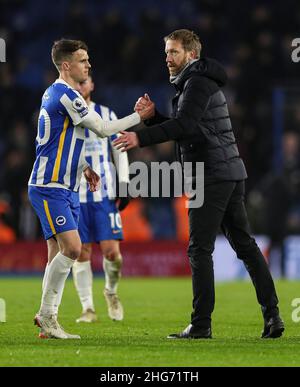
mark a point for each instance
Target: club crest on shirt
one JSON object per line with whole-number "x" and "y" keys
{"x": 60, "y": 220}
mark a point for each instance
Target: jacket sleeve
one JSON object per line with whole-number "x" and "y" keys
{"x": 195, "y": 99}
{"x": 157, "y": 119}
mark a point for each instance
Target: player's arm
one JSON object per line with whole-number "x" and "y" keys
{"x": 122, "y": 166}
{"x": 121, "y": 163}
{"x": 102, "y": 128}
{"x": 120, "y": 160}
{"x": 84, "y": 117}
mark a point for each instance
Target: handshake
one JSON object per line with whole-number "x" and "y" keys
{"x": 145, "y": 107}
{"x": 128, "y": 140}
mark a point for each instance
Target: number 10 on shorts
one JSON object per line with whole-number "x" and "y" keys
{"x": 115, "y": 220}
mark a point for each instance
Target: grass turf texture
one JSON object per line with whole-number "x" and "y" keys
{"x": 153, "y": 309}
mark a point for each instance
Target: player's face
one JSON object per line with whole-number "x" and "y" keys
{"x": 86, "y": 87}
{"x": 177, "y": 56}
{"x": 79, "y": 66}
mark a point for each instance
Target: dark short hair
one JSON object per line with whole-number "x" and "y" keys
{"x": 189, "y": 40}
{"x": 63, "y": 49}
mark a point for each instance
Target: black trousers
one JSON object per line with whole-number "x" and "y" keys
{"x": 224, "y": 207}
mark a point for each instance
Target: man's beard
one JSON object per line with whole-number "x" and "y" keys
{"x": 180, "y": 68}
{"x": 175, "y": 77}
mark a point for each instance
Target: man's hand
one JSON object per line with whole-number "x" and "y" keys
{"x": 145, "y": 107}
{"x": 92, "y": 178}
{"x": 126, "y": 141}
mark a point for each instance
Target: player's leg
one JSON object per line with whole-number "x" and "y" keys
{"x": 112, "y": 265}
{"x": 82, "y": 272}
{"x": 53, "y": 249}
{"x": 58, "y": 270}
{"x": 83, "y": 280}
{"x": 57, "y": 210}
{"x": 107, "y": 227}
{"x": 237, "y": 230}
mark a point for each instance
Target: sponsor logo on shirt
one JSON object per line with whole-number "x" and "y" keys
{"x": 78, "y": 104}
{"x": 84, "y": 112}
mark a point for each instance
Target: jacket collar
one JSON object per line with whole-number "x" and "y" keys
{"x": 175, "y": 79}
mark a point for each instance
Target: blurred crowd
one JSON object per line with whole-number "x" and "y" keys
{"x": 252, "y": 40}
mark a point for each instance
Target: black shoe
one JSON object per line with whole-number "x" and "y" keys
{"x": 273, "y": 328}
{"x": 192, "y": 332}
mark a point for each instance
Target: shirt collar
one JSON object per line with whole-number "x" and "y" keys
{"x": 60, "y": 80}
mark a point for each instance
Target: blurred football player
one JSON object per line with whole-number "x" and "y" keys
{"x": 57, "y": 171}
{"x": 99, "y": 219}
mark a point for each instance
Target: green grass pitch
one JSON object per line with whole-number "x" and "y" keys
{"x": 153, "y": 309}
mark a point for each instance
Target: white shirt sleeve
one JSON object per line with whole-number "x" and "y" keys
{"x": 121, "y": 163}
{"x": 84, "y": 117}
{"x": 75, "y": 106}
{"x": 94, "y": 122}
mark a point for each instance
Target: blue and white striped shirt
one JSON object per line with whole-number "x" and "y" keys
{"x": 59, "y": 142}
{"x": 101, "y": 156}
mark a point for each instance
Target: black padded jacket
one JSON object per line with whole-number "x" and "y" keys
{"x": 200, "y": 123}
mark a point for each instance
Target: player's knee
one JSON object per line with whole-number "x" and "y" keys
{"x": 73, "y": 251}
{"x": 111, "y": 254}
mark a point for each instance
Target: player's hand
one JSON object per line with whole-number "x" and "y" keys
{"x": 126, "y": 141}
{"x": 145, "y": 107}
{"x": 92, "y": 178}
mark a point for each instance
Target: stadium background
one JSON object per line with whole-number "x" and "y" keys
{"x": 127, "y": 55}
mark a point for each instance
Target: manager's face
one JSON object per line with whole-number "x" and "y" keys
{"x": 176, "y": 56}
